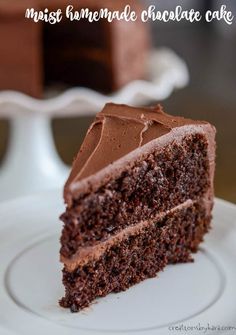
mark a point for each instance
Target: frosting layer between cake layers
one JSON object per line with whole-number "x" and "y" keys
{"x": 92, "y": 253}
{"x": 137, "y": 256}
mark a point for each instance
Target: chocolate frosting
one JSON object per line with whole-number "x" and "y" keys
{"x": 117, "y": 131}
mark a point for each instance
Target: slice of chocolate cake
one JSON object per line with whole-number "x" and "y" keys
{"x": 139, "y": 196}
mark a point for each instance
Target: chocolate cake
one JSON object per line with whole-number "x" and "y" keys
{"x": 139, "y": 197}
{"x": 101, "y": 55}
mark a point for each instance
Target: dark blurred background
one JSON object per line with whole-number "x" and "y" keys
{"x": 210, "y": 52}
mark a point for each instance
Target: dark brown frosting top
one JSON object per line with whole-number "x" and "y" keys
{"x": 118, "y": 130}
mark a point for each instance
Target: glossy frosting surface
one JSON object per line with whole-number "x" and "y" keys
{"x": 117, "y": 131}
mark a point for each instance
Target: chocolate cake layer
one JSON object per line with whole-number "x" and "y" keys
{"x": 122, "y": 135}
{"x": 137, "y": 255}
{"x": 143, "y": 176}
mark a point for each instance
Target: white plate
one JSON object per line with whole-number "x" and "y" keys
{"x": 199, "y": 293}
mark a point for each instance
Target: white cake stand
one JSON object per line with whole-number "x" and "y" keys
{"x": 32, "y": 163}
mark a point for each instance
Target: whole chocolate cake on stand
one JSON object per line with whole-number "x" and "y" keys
{"x": 139, "y": 197}
{"x": 100, "y": 55}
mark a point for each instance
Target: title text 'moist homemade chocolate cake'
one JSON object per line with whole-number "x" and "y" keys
{"x": 139, "y": 197}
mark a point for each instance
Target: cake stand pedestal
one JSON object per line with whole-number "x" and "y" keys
{"x": 32, "y": 163}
